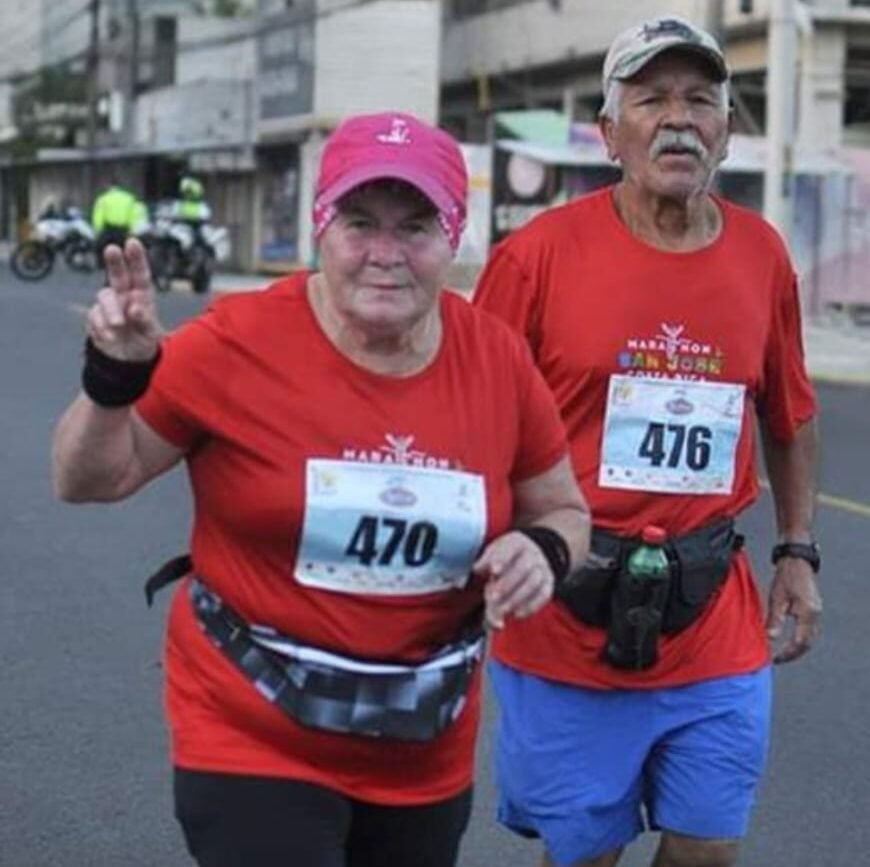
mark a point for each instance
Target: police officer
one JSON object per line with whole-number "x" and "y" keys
{"x": 115, "y": 212}
{"x": 191, "y": 206}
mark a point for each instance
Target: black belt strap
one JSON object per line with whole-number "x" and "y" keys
{"x": 169, "y": 572}
{"x": 699, "y": 563}
{"x": 604, "y": 542}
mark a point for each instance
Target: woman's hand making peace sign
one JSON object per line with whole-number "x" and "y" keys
{"x": 123, "y": 321}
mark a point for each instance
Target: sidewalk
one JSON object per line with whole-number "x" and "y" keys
{"x": 837, "y": 349}
{"x": 225, "y": 282}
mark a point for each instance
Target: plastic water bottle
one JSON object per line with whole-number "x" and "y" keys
{"x": 638, "y": 604}
{"x": 649, "y": 560}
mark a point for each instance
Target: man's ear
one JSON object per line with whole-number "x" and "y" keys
{"x": 608, "y": 133}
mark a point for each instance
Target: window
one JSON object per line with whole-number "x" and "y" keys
{"x": 467, "y": 8}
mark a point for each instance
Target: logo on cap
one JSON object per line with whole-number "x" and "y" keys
{"x": 399, "y": 133}
{"x": 669, "y": 27}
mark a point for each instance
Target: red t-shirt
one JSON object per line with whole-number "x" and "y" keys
{"x": 594, "y": 301}
{"x": 253, "y": 390}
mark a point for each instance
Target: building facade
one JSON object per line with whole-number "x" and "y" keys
{"x": 531, "y": 54}
{"x": 243, "y": 92}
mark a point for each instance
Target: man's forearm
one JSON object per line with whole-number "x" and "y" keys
{"x": 791, "y": 469}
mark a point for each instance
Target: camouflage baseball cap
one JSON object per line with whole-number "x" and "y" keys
{"x": 632, "y": 49}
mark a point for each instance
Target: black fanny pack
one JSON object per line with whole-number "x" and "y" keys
{"x": 329, "y": 691}
{"x": 602, "y": 594}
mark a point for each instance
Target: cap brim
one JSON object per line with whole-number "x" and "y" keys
{"x": 418, "y": 178}
{"x": 714, "y": 59}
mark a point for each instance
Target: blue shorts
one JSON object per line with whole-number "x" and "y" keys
{"x": 583, "y": 768}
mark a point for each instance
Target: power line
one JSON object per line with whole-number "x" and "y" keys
{"x": 271, "y": 26}
{"x": 18, "y": 75}
{"x": 13, "y": 38}
{"x": 254, "y": 32}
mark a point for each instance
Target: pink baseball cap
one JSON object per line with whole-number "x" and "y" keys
{"x": 393, "y": 145}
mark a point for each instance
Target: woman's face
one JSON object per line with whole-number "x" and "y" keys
{"x": 384, "y": 257}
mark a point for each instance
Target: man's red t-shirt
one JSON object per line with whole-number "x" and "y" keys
{"x": 253, "y": 391}
{"x": 593, "y": 301}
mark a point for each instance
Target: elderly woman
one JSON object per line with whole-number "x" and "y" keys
{"x": 360, "y": 445}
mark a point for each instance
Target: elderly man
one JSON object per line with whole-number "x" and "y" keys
{"x": 665, "y": 321}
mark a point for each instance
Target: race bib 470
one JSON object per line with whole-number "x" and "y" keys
{"x": 389, "y": 530}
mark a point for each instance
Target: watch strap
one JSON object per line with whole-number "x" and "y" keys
{"x": 808, "y": 551}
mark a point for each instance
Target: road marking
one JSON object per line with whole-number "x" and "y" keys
{"x": 845, "y": 504}
{"x": 842, "y": 503}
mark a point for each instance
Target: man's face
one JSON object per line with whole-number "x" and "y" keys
{"x": 672, "y": 127}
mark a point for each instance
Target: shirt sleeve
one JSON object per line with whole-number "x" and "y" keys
{"x": 788, "y": 399}
{"x": 183, "y": 401}
{"x": 542, "y": 437}
{"x": 506, "y": 290}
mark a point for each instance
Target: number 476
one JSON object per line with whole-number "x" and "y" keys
{"x": 669, "y": 443}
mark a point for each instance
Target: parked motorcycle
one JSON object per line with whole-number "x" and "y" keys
{"x": 65, "y": 233}
{"x": 185, "y": 251}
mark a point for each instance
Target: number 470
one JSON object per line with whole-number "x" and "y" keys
{"x": 694, "y": 441}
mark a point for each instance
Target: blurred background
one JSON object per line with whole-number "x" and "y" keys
{"x": 243, "y": 93}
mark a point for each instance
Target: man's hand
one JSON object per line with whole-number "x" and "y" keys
{"x": 794, "y": 609}
{"x": 519, "y": 578}
{"x": 123, "y": 321}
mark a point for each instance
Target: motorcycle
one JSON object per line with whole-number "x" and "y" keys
{"x": 67, "y": 234}
{"x": 186, "y": 251}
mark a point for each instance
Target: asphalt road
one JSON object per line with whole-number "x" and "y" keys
{"x": 84, "y": 778}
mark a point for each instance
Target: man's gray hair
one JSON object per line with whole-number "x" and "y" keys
{"x": 613, "y": 98}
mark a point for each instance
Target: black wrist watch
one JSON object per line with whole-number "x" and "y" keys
{"x": 808, "y": 551}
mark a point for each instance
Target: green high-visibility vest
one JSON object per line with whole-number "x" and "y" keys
{"x": 192, "y": 210}
{"x": 116, "y": 208}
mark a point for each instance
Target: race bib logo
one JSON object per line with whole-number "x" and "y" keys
{"x": 397, "y": 495}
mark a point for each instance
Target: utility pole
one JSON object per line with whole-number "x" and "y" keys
{"x": 133, "y": 47}
{"x": 714, "y": 20}
{"x": 92, "y": 71}
{"x": 780, "y": 94}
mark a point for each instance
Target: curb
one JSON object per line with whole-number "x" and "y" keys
{"x": 223, "y": 283}
{"x": 845, "y": 379}
{"x": 837, "y": 351}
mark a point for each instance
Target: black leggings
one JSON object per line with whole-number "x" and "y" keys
{"x": 233, "y": 820}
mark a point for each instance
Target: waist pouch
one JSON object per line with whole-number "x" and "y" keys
{"x": 324, "y": 690}
{"x": 699, "y": 564}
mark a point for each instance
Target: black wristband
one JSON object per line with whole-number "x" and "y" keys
{"x": 554, "y": 548}
{"x": 112, "y": 382}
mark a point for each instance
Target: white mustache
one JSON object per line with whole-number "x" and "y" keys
{"x": 672, "y": 139}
